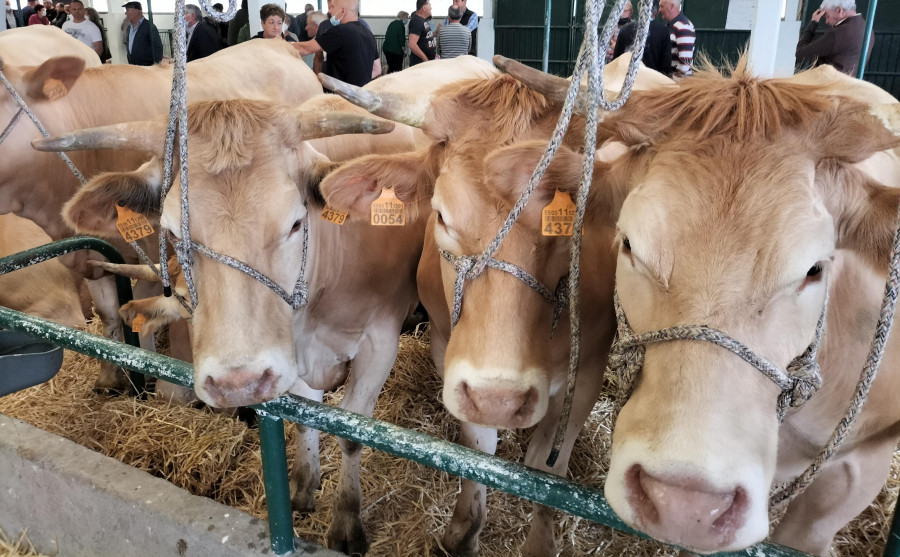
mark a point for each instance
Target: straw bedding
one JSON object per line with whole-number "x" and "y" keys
{"x": 405, "y": 505}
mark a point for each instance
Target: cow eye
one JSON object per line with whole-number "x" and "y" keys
{"x": 626, "y": 243}
{"x": 296, "y": 226}
{"x": 815, "y": 270}
{"x": 440, "y": 219}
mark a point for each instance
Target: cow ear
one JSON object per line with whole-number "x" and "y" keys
{"x": 864, "y": 211}
{"x": 353, "y": 186}
{"x": 54, "y": 78}
{"x": 851, "y": 135}
{"x": 93, "y": 209}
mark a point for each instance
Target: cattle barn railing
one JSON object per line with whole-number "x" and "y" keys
{"x": 511, "y": 477}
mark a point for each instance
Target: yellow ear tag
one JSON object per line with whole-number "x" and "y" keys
{"x": 132, "y": 226}
{"x": 330, "y": 215}
{"x": 138, "y": 322}
{"x": 387, "y": 210}
{"x": 558, "y": 217}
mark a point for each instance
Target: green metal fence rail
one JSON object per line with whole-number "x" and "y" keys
{"x": 62, "y": 247}
{"x": 492, "y": 471}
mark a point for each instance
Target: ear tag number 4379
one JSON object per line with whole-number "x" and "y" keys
{"x": 132, "y": 226}
{"x": 387, "y": 210}
{"x": 558, "y": 217}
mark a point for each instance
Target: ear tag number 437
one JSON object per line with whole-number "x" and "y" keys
{"x": 387, "y": 210}
{"x": 132, "y": 226}
{"x": 558, "y": 217}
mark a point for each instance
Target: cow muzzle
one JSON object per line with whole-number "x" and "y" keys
{"x": 686, "y": 511}
{"x": 223, "y": 386}
{"x": 498, "y": 398}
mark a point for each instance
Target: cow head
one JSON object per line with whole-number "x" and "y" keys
{"x": 501, "y": 365}
{"x": 740, "y": 192}
{"x": 253, "y": 181}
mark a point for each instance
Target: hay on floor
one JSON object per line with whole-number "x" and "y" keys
{"x": 405, "y": 505}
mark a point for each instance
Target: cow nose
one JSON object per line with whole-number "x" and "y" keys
{"x": 240, "y": 387}
{"x": 685, "y": 511}
{"x": 500, "y": 407}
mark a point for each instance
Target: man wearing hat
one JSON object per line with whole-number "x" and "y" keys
{"x": 142, "y": 37}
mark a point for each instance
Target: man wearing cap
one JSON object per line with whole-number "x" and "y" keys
{"x": 142, "y": 37}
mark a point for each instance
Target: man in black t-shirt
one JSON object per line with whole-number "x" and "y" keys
{"x": 658, "y": 49}
{"x": 422, "y": 44}
{"x": 350, "y": 46}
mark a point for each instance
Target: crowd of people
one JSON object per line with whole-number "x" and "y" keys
{"x": 341, "y": 44}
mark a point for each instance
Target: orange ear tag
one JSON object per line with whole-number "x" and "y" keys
{"x": 330, "y": 215}
{"x": 387, "y": 210}
{"x": 138, "y": 322}
{"x": 558, "y": 217}
{"x": 132, "y": 226}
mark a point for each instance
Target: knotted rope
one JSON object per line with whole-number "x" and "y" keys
{"x": 798, "y": 383}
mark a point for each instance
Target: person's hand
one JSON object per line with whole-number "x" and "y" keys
{"x": 818, "y": 14}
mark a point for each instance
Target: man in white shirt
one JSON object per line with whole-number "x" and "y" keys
{"x": 83, "y": 29}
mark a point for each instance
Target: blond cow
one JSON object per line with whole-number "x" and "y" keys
{"x": 254, "y": 172}
{"x": 742, "y": 210}
{"x": 502, "y": 368}
{"x": 65, "y": 96}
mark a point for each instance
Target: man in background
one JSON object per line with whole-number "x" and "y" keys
{"x": 682, "y": 35}
{"x": 657, "y": 51}
{"x": 202, "y": 38}
{"x": 469, "y": 20}
{"x": 82, "y": 28}
{"x": 141, "y": 37}
{"x": 395, "y": 42}
{"x": 298, "y": 24}
{"x": 454, "y": 39}
{"x": 350, "y": 46}
{"x": 422, "y": 45}
{"x": 841, "y": 45}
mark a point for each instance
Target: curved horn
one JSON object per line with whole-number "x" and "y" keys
{"x": 313, "y": 125}
{"x": 140, "y": 272}
{"x": 889, "y": 115}
{"x": 406, "y": 109}
{"x": 136, "y": 136}
{"x": 551, "y": 86}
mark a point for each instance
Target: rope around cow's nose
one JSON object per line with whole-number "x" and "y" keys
{"x": 626, "y": 358}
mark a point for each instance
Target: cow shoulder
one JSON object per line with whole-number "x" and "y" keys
{"x": 93, "y": 209}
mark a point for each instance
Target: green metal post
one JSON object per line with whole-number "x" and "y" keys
{"x": 275, "y": 478}
{"x": 548, "y": 4}
{"x": 864, "y": 54}
{"x": 68, "y": 245}
{"x": 892, "y": 547}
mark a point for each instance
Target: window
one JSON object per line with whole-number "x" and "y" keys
{"x": 101, "y": 6}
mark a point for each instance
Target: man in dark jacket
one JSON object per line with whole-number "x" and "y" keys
{"x": 142, "y": 37}
{"x": 841, "y": 45}
{"x": 657, "y": 51}
{"x": 202, "y": 39}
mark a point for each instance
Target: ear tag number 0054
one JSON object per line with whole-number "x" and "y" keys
{"x": 132, "y": 226}
{"x": 558, "y": 217}
{"x": 332, "y": 215}
{"x": 387, "y": 210}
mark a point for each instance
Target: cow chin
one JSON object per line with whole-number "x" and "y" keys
{"x": 495, "y": 397}
{"x": 686, "y": 503}
{"x": 268, "y": 375}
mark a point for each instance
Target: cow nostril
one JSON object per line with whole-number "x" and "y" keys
{"x": 214, "y": 392}
{"x": 638, "y": 497}
{"x": 266, "y": 384}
